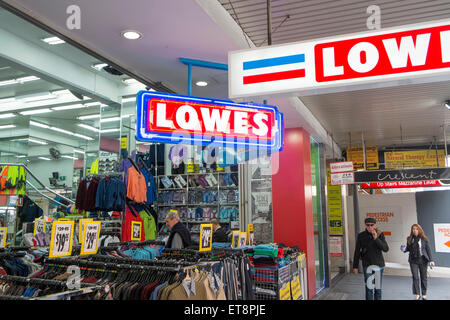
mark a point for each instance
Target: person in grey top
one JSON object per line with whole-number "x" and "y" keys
{"x": 180, "y": 236}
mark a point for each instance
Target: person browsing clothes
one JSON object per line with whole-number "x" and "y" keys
{"x": 369, "y": 247}
{"x": 219, "y": 233}
{"x": 419, "y": 257}
{"x": 179, "y": 236}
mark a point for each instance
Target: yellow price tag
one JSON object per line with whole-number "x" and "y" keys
{"x": 39, "y": 226}
{"x": 80, "y": 227}
{"x": 136, "y": 227}
{"x": 206, "y": 231}
{"x": 3, "y": 235}
{"x": 61, "y": 240}
{"x": 296, "y": 289}
{"x": 251, "y": 235}
{"x": 190, "y": 167}
{"x": 285, "y": 292}
{"x": 235, "y": 239}
{"x": 91, "y": 234}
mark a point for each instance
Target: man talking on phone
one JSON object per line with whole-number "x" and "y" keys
{"x": 369, "y": 247}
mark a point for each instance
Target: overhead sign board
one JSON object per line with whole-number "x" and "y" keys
{"x": 342, "y": 178}
{"x": 414, "y": 159}
{"x": 402, "y": 175}
{"x": 337, "y": 167}
{"x": 401, "y": 184}
{"x": 356, "y": 155}
{"x": 169, "y": 118}
{"x": 392, "y": 54}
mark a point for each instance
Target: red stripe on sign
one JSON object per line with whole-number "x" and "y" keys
{"x": 387, "y": 233}
{"x": 266, "y": 77}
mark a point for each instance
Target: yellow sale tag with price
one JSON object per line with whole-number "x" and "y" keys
{"x": 61, "y": 240}
{"x": 91, "y": 234}
{"x": 296, "y": 289}
{"x": 285, "y": 292}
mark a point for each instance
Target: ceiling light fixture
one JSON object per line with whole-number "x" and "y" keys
{"x": 109, "y": 130}
{"x": 27, "y": 79}
{"x": 201, "y": 83}
{"x": 26, "y": 113}
{"x": 22, "y": 156}
{"x": 131, "y": 34}
{"x": 69, "y": 157}
{"x": 38, "y": 124}
{"x": 82, "y": 125}
{"x": 99, "y": 66}
{"x": 53, "y": 40}
{"x": 78, "y": 151}
{"x": 7, "y": 126}
{"x": 36, "y": 141}
{"x": 110, "y": 119}
{"x": 8, "y": 82}
{"x": 73, "y": 106}
{"x": 447, "y": 104}
{"x": 44, "y": 158}
{"x": 7, "y": 115}
{"x": 92, "y": 104}
{"x": 38, "y": 97}
{"x": 128, "y": 99}
{"x": 83, "y": 137}
{"x": 61, "y": 130}
{"x": 91, "y": 116}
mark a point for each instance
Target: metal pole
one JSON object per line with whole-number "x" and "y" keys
{"x": 364, "y": 151}
{"x": 356, "y": 210}
{"x": 269, "y": 24}
{"x": 189, "y": 79}
{"x": 445, "y": 144}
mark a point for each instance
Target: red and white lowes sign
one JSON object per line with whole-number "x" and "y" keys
{"x": 393, "y": 54}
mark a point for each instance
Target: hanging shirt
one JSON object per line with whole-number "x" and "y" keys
{"x": 136, "y": 188}
{"x": 127, "y": 224}
{"x": 149, "y": 225}
{"x": 124, "y": 166}
{"x": 151, "y": 186}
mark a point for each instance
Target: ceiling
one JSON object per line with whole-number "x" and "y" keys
{"x": 181, "y": 28}
{"x": 314, "y": 19}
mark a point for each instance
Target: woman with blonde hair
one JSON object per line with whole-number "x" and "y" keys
{"x": 419, "y": 257}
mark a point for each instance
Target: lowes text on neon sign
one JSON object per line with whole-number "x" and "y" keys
{"x": 394, "y": 54}
{"x": 172, "y": 118}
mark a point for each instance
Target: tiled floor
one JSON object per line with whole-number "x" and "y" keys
{"x": 395, "y": 287}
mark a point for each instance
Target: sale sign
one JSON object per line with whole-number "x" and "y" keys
{"x": 206, "y": 232}
{"x": 169, "y": 118}
{"x": 61, "y": 239}
{"x": 3, "y": 234}
{"x": 387, "y": 55}
{"x": 251, "y": 235}
{"x": 442, "y": 237}
{"x": 91, "y": 234}
{"x": 39, "y": 226}
{"x": 81, "y": 223}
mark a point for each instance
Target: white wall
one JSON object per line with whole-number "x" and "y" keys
{"x": 403, "y": 207}
{"x": 43, "y": 170}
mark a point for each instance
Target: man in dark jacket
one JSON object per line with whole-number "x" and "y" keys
{"x": 369, "y": 247}
{"x": 219, "y": 233}
{"x": 179, "y": 236}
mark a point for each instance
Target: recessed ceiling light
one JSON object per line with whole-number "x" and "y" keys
{"x": 44, "y": 158}
{"x": 201, "y": 83}
{"x": 38, "y": 97}
{"x": 69, "y": 157}
{"x": 92, "y": 104}
{"x": 82, "y": 125}
{"x": 8, "y": 82}
{"x": 131, "y": 34}
{"x": 7, "y": 126}
{"x": 36, "y": 141}
{"x": 73, "y": 106}
{"x": 83, "y": 137}
{"x": 110, "y": 119}
{"x": 7, "y": 115}
{"x": 38, "y": 124}
{"x": 22, "y": 156}
{"x": 27, "y": 79}
{"x": 110, "y": 130}
{"x": 61, "y": 130}
{"x": 26, "y": 113}
{"x": 91, "y": 116}
{"x": 53, "y": 40}
{"x": 78, "y": 151}
{"x": 128, "y": 99}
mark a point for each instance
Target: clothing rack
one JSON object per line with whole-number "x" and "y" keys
{"x": 37, "y": 281}
{"x": 9, "y": 249}
{"x": 140, "y": 261}
{"x": 12, "y": 255}
{"x": 135, "y": 243}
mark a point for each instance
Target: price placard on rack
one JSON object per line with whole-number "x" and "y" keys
{"x": 296, "y": 289}
{"x": 251, "y": 235}
{"x": 205, "y": 237}
{"x": 91, "y": 234}
{"x": 3, "y": 234}
{"x": 285, "y": 291}
{"x": 39, "y": 226}
{"x": 235, "y": 238}
{"x": 242, "y": 239}
{"x": 62, "y": 239}
{"x": 81, "y": 226}
{"x": 136, "y": 227}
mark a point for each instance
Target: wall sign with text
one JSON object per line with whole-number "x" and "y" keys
{"x": 61, "y": 239}
{"x": 170, "y": 118}
{"x": 402, "y": 175}
{"x": 387, "y": 55}
{"x": 206, "y": 232}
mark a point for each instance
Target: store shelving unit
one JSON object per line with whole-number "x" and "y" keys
{"x": 187, "y": 189}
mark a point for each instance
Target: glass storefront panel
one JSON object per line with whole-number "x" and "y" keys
{"x": 317, "y": 215}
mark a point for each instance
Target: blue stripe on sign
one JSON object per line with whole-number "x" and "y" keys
{"x": 271, "y": 62}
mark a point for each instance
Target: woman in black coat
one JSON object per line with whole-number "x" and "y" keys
{"x": 419, "y": 257}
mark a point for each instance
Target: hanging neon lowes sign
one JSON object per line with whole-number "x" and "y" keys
{"x": 170, "y": 118}
{"x": 416, "y": 52}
